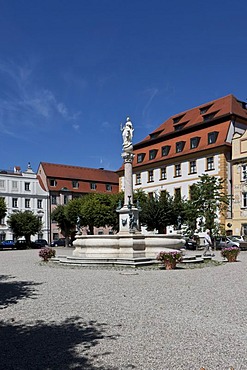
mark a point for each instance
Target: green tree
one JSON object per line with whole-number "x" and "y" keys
{"x": 158, "y": 213}
{"x": 24, "y": 224}
{"x": 208, "y": 200}
{"x": 3, "y": 208}
{"x": 65, "y": 221}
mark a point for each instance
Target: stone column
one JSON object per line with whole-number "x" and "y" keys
{"x": 128, "y": 178}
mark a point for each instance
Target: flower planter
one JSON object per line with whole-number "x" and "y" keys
{"x": 170, "y": 265}
{"x": 231, "y": 259}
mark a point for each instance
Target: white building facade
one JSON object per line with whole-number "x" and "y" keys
{"x": 22, "y": 191}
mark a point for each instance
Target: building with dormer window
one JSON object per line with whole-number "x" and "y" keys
{"x": 187, "y": 145}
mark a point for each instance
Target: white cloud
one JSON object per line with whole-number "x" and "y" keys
{"x": 22, "y": 102}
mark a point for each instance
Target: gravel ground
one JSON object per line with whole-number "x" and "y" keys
{"x": 58, "y": 318}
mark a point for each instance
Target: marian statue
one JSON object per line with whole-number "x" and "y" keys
{"x": 127, "y": 133}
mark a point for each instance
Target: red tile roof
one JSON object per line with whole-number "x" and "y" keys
{"x": 197, "y": 122}
{"x": 64, "y": 174}
{"x": 227, "y": 105}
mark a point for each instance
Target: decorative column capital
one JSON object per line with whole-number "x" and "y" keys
{"x": 128, "y": 157}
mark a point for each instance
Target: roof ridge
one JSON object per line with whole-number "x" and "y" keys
{"x": 73, "y": 166}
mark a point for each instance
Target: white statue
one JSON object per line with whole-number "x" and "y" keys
{"x": 127, "y": 133}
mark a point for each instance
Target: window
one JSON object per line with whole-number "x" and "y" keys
{"x": 108, "y": 187}
{"x": 75, "y": 184}
{"x": 165, "y": 150}
{"x": 14, "y": 202}
{"x": 179, "y": 127}
{"x": 177, "y": 170}
{"x": 244, "y": 201}
{"x": 138, "y": 179}
{"x": 210, "y": 163}
{"x": 177, "y": 193}
{"x": 140, "y": 157}
{"x": 244, "y": 172}
{"x": 178, "y": 118}
{"x": 212, "y": 137}
{"x": 192, "y": 167}
{"x": 179, "y": 146}
{"x": 65, "y": 199}
{"x": 150, "y": 195}
{"x": 93, "y": 186}
{"x": 53, "y": 182}
{"x": 163, "y": 173}
{"x": 39, "y": 203}
{"x": 27, "y": 186}
{"x": 14, "y": 185}
{"x": 208, "y": 117}
{"x": 150, "y": 176}
{"x": 204, "y": 110}
{"x": 27, "y": 203}
{"x": 2, "y": 184}
{"x": 152, "y": 153}
{"x": 194, "y": 141}
{"x": 53, "y": 199}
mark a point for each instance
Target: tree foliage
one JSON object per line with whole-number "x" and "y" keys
{"x": 24, "y": 224}
{"x": 158, "y": 212}
{"x": 208, "y": 200}
{"x": 65, "y": 221}
{"x": 3, "y": 208}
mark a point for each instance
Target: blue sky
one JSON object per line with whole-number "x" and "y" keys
{"x": 72, "y": 71}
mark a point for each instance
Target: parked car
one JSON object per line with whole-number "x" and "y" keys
{"x": 59, "y": 242}
{"x": 191, "y": 244}
{"x": 224, "y": 241}
{"x": 7, "y": 244}
{"x": 21, "y": 244}
{"x": 40, "y": 243}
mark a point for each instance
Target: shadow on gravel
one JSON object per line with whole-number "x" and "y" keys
{"x": 51, "y": 346}
{"x": 12, "y": 291}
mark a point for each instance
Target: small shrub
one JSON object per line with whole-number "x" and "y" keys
{"x": 47, "y": 253}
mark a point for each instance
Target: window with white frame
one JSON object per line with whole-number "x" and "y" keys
{"x": 14, "y": 185}
{"x": 53, "y": 182}
{"x": 192, "y": 167}
{"x": 2, "y": 184}
{"x": 65, "y": 199}
{"x": 108, "y": 187}
{"x": 138, "y": 179}
{"x": 150, "y": 176}
{"x": 27, "y": 186}
{"x": 27, "y": 203}
{"x": 177, "y": 170}
{"x": 244, "y": 200}
{"x": 39, "y": 203}
{"x": 210, "y": 163}
{"x": 75, "y": 184}
{"x": 54, "y": 199}
{"x": 163, "y": 173}
{"x": 93, "y": 186}
{"x": 15, "y": 202}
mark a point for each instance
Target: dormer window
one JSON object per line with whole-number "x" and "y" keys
{"x": 75, "y": 184}
{"x": 179, "y": 127}
{"x": 155, "y": 134}
{"x": 165, "y": 150}
{"x": 178, "y": 118}
{"x": 212, "y": 137}
{"x": 152, "y": 153}
{"x": 194, "y": 141}
{"x": 209, "y": 116}
{"x": 180, "y": 146}
{"x": 140, "y": 157}
{"x": 204, "y": 110}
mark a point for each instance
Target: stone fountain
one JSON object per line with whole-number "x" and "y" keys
{"x": 129, "y": 245}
